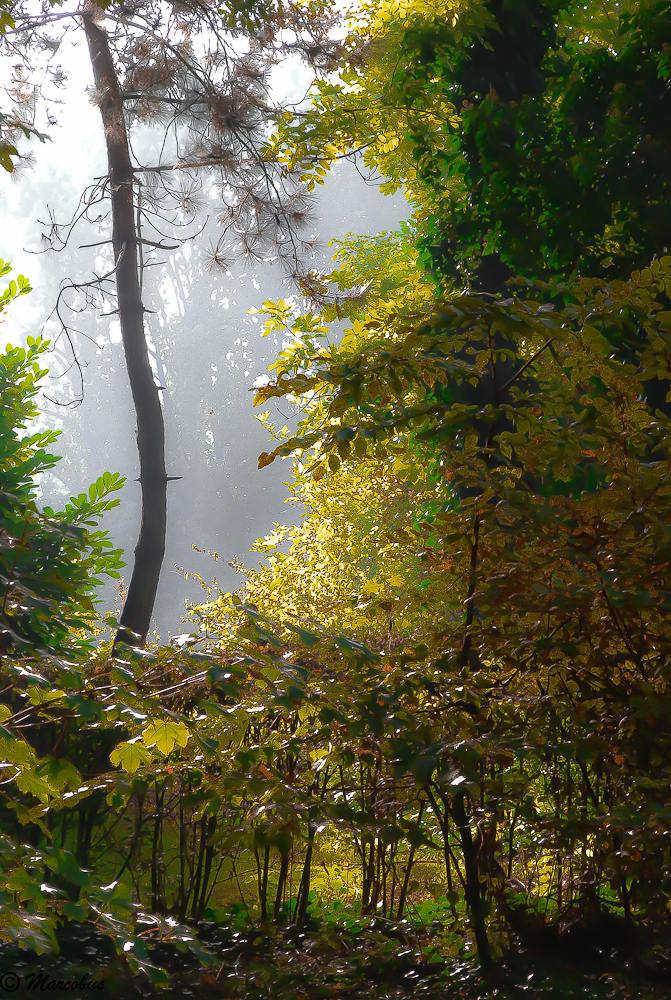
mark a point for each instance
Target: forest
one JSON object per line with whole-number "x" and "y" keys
{"x": 425, "y": 747}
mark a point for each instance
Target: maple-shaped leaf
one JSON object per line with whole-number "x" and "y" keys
{"x": 59, "y": 773}
{"x": 164, "y": 734}
{"x": 15, "y": 750}
{"x": 30, "y": 782}
{"x": 130, "y": 756}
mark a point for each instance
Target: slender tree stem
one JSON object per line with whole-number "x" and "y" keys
{"x": 470, "y": 600}
{"x": 150, "y": 548}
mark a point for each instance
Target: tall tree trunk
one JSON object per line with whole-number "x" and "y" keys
{"x": 199, "y": 867}
{"x": 281, "y": 882}
{"x": 157, "y": 895}
{"x": 301, "y": 911}
{"x": 182, "y": 897}
{"x": 264, "y": 884}
{"x": 209, "y": 855}
{"x": 408, "y": 869}
{"x": 139, "y": 605}
{"x": 473, "y": 891}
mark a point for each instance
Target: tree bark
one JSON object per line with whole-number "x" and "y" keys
{"x": 150, "y": 548}
{"x": 473, "y": 892}
{"x": 281, "y": 882}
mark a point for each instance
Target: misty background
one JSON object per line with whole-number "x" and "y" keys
{"x": 207, "y": 348}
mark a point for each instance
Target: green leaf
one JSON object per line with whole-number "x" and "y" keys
{"x": 16, "y": 750}
{"x": 29, "y": 781}
{"x": 308, "y": 639}
{"x": 354, "y": 646}
{"x": 130, "y": 756}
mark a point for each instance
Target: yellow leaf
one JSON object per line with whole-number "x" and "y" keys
{"x": 164, "y": 734}
{"x": 38, "y": 696}
{"x": 130, "y": 756}
{"x": 16, "y": 751}
{"x": 28, "y": 781}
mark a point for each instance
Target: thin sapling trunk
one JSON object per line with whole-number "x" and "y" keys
{"x": 139, "y": 604}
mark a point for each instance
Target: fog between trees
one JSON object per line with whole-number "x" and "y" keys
{"x": 207, "y": 346}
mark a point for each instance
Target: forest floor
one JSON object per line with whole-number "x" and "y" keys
{"x": 322, "y": 962}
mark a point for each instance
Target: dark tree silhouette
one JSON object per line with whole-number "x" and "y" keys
{"x": 139, "y": 604}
